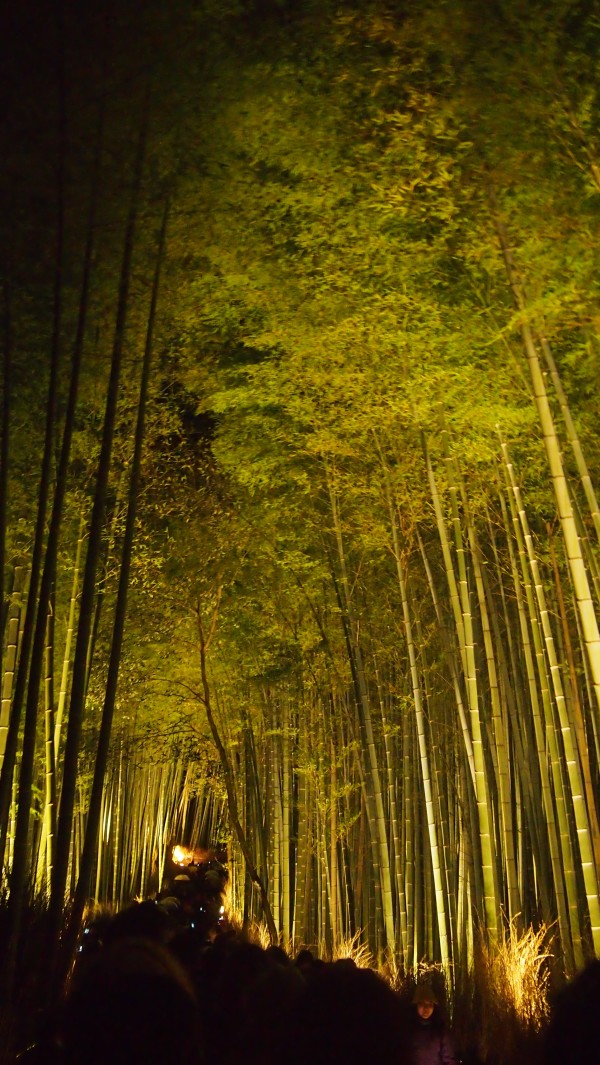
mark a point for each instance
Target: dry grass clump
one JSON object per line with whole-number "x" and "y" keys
{"x": 515, "y": 975}
{"x": 404, "y": 981}
{"x": 520, "y": 972}
{"x": 509, "y": 994}
{"x": 257, "y": 932}
{"x": 355, "y": 949}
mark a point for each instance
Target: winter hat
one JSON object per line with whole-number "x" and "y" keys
{"x": 424, "y": 993}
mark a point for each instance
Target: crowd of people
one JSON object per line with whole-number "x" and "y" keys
{"x": 166, "y": 982}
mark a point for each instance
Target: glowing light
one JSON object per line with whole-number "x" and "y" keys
{"x": 179, "y": 855}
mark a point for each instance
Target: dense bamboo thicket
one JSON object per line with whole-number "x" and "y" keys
{"x": 303, "y": 555}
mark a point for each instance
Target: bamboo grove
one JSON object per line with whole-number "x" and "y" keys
{"x": 303, "y": 556}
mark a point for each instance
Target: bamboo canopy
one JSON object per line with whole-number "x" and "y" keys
{"x": 302, "y": 561}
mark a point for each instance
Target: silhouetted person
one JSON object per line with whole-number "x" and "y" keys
{"x": 140, "y": 920}
{"x": 348, "y": 1016}
{"x": 131, "y": 1004}
{"x": 573, "y": 1035}
{"x": 305, "y": 961}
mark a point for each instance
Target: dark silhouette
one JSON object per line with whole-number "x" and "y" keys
{"x": 348, "y": 1016}
{"x": 131, "y": 1004}
{"x": 573, "y": 1035}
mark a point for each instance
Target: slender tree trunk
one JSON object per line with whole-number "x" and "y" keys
{"x": 372, "y": 774}
{"x": 440, "y": 900}
{"x": 230, "y": 788}
{"x": 21, "y": 847}
{"x": 547, "y": 735}
{"x": 459, "y": 595}
{"x": 7, "y": 352}
{"x": 103, "y": 747}
{"x": 581, "y": 587}
{"x": 76, "y": 707}
{"x": 14, "y": 625}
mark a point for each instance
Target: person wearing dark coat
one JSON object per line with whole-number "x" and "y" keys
{"x": 431, "y": 1042}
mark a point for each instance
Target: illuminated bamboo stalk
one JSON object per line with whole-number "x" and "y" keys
{"x": 466, "y": 750}
{"x": 159, "y": 832}
{"x": 228, "y": 777}
{"x": 455, "y": 600}
{"x": 526, "y": 617}
{"x": 116, "y": 643}
{"x": 135, "y": 819}
{"x": 66, "y": 665}
{"x": 581, "y": 587}
{"x": 450, "y": 657}
{"x": 148, "y": 786}
{"x": 134, "y": 824}
{"x": 144, "y": 870}
{"x": 126, "y": 833}
{"x": 5, "y": 422}
{"x": 286, "y": 815}
{"x": 359, "y": 865}
{"x": 243, "y": 889}
{"x": 352, "y": 813}
{"x": 572, "y": 763}
{"x": 466, "y": 885}
{"x": 592, "y": 562}
{"x": 521, "y": 727}
{"x": 538, "y": 617}
{"x": 418, "y": 859}
{"x": 49, "y": 822}
{"x": 372, "y": 916}
{"x": 440, "y": 899}
{"x": 80, "y": 674}
{"x": 320, "y": 836}
{"x": 467, "y": 644}
{"x": 330, "y": 819}
{"x": 576, "y": 712}
{"x": 13, "y": 812}
{"x": 299, "y": 925}
{"x": 99, "y": 847}
{"x": 444, "y": 772}
{"x": 526, "y": 779}
{"x": 394, "y": 826}
{"x": 408, "y": 828}
{"x": 572, "y": 436}
{"x": 333, "y": 855}
{"x": 508, "y": 852}
{"x": 143, "y": 835}
{"x": 13, "y": 627}
{"x": 255, "y": 795}
{"x": 595, "y": 724}
{"x": 372, "y": 770}
{"x": 482, "y": 790}
{"x": 275, "y": 823}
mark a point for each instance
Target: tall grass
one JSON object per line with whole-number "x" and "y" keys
{"x": 503, "y": 1004}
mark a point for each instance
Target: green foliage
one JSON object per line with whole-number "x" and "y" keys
{"x": 334, "y": 292}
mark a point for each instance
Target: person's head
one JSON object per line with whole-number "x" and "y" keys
{"x": 131, "y": 1005}
{"x": 425, "y": 1001}
{"x": 347, "y": 1016}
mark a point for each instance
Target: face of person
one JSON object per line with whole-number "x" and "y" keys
{"x": 425, "y": 1009}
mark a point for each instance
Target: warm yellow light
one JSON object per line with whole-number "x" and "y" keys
{"x": 179, "y": 855}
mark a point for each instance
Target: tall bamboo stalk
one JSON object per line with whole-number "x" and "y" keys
{"x": 372, "y": 770}
{"x": 544, "y": 644}
{"x": 573, "y": 551}
{"x": 459, "y": 594}
{"x": 78, "y": 688}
